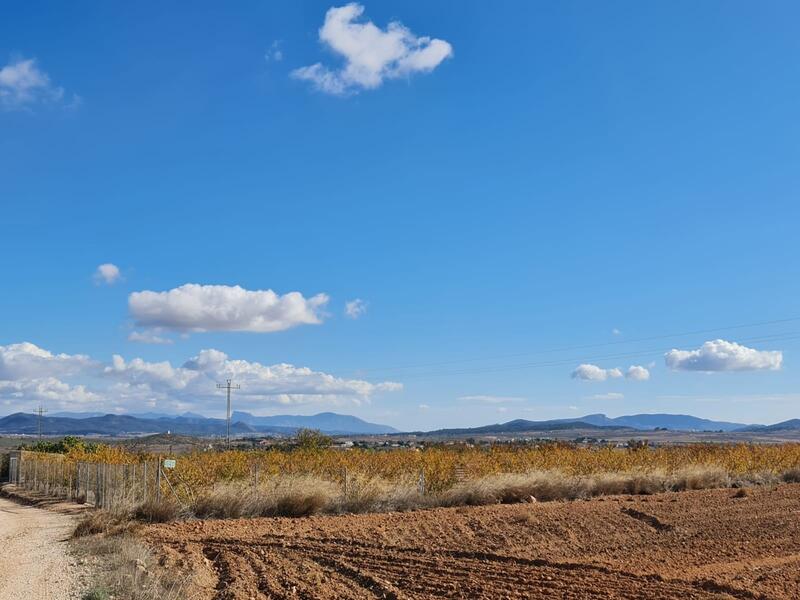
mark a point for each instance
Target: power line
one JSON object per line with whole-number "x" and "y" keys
{"x": 228, "y": 386}
{"x": 566, "y": 361}
{"x": 577, "y": 347}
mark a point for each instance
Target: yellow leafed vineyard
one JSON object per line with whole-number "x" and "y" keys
{"x": 443, "y": 466}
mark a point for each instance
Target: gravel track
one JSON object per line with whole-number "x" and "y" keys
{"x": 34, "y": 562}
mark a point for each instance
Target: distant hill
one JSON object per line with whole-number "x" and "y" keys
{"x": 666, "y": 421}
{"x": 115, "y": 425}
{"x": 242, "y": 423}
{"x": 641, "y": 422}
{"x": 790, "y": 425}
{"x": 523, "y": 426}
{"x": 328, "y": 422}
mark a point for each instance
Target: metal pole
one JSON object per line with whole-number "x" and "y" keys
{"x": 228, "y": 386}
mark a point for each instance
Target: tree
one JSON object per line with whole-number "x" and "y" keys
{"x": 312, "y": 439}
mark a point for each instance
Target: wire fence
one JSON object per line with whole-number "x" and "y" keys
{"x": 103, "y": 485}
{"x": 123, "y": 486}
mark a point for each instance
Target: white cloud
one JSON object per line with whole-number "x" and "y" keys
{"x": 491, "y": 399}
{"x": 371, "y": 55}
{"x": 148, "y": 337}
{"x": 29, "y": 374}
{"x": 47, "y": 389}
{"x": 423, "y": 407}
{"x": 107, "y": 273}
{"x": 29, "y": 361}
{"x": 355, "y": 308}
{"x": 589, "y": 372}
{"x": 274, "y": 52}
{"x": 608, "y": 396}
{"x": 195, "y": 308}
{"x": 637, "y": 373}
{"x": 616, "y": 331}
{"x": 23, "y": 85}
{"x": 721, "y": 355}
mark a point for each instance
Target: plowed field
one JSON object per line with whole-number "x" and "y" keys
{"x": 707, "y": 544}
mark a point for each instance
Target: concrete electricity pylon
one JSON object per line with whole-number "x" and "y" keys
{"x": 228, "y": 386}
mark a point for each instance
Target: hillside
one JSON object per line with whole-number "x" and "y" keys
{"x": 242, "y": 423}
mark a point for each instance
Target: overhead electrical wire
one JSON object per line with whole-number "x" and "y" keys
{"x": 387, "y": 371}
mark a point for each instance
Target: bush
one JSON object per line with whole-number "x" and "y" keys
{"x": 156, "y": 512}
{"x": 96, "y": 594}
{"x": 791, "y": 476}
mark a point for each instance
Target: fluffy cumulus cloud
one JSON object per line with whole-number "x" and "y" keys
{"x": 196, "y": 308}
{"x": 24, "y": 85}
{"x": 29, "y": 374}
{"x": 721, "y": 355}
{"x": 371, "y": 55}
{"x": 353, "y": 309}
{"x": 107, "y": 273}
{"x": 589, "y": 372}
{"x": 637, "y": 373}
{"x": 28, "y": 361}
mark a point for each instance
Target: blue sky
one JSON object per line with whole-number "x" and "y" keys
{"x": 502, "y": 187}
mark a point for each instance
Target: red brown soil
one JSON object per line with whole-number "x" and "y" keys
{"x": 706, "y": 544}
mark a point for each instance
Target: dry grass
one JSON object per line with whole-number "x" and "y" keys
{"x": 304, "y": 495}
{"x": 126, "y": 570}
{"x": 294, "y": 496}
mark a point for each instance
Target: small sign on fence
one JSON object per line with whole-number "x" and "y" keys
{"x": 169, "y": 463}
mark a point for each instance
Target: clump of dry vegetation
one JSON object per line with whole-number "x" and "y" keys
{"x": 125, "y": 568}
{"x": 791, "y": 475}
{"x": 294, "y": 496}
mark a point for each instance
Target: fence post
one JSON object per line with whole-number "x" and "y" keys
{"x": 97, "y": 497}
{"x": 158, "y": 481}
{"x": 144, "y": 480}
{"x": 421, "y": 485}
{"x": 345, "y": 484}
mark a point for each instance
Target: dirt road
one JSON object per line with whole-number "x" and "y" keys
{"x": 34, "y": 563}
{"x": 707, "y": 544}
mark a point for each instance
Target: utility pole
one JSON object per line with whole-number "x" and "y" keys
{"x": 40, "y": 412}
{"x": 228, "y": 386}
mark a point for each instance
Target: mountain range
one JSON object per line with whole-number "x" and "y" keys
{"x": 640, "y": 422}
{"x": 243, "y": 424}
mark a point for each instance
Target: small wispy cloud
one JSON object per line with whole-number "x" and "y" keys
{"x": 489, "y": 399}
{"x": 616, "y": 331}
{"x": 274, "y": 52}
{"x": 149, "y": 337}
{"x": 608, "y": 396}
{"x": 23, "y": 85}
{"x": 353, "y": 309}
